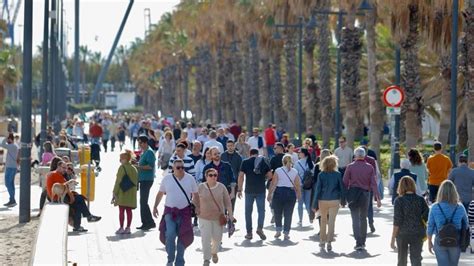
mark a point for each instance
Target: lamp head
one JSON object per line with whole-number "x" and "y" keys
{"x": 365, "y": 6}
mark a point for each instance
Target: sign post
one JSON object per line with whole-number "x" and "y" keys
{"x": 393, "y": 97}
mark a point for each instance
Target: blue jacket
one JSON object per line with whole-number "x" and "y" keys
{"x": 224, "y": 170}
{"x": 328, "y": 187}
{"x": 397, "y": 177}
{"x": 436, "y": 219}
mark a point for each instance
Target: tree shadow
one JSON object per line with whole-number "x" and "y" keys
{"x": 115, "y": 238}
{"x": 282, "y": 243}
{"x": 361, "y": 254}
{"x": 249, "y": 244}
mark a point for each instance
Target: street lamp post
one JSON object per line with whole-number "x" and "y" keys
{"x": 299, "y": 111}
{"x": 44, "y": 87}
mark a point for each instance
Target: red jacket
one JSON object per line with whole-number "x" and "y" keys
{"x": 270, "y": 137}
{"x": 95, "y": 131}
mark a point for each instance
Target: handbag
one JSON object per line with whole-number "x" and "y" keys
{"x": 126, "y": 183}
{"x": 191, "y": 205}
{"x": 222, "y": 217}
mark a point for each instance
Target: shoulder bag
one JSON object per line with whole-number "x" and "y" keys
{"x": 126, "y": 182}
{"x": 289, "y": 178}
{"x": 191, "y": 205}
{"x": 222, "y": 217}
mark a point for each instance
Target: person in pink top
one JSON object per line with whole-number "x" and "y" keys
{"x": 48, "y": 153}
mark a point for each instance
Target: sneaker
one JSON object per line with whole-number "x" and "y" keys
{"x": 127, "y": 231}
{"x": 261, "y": 234}
{"x": 372, "y": 228}
{"x": 93, "y": 218}
{"x": 286, "y": 236}
{"x": 11, "y": 204}
{"x": 79, "y": 229}
{"x": 329, "y": 246}
{"x": 215, "y": 258}
{"x": 278, "y": 234}
{"x": 141, "y": 227}
{"x": 248, "y": 236}
{"x": 119, "y": 231}
{"x": 359, "y": 247}
{"x": 321, "y": 244}
{"x": 206, "y": 263}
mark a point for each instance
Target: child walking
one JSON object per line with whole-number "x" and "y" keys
{"x": 125, "y": 191}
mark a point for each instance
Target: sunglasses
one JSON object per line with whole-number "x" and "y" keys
{"x": 212, "y": 175}
{"x": 70, "y": 169}
{"x": 179, "y": 167}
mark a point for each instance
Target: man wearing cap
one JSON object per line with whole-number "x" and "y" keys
{"x": 359, "y": 179}
{"x": 438, "y": 166}
{"x": 463, "y": 178}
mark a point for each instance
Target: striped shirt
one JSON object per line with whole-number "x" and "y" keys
{"x": 188, "y": 164}
{"x": 471, "y": 213}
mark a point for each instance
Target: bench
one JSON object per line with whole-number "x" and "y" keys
{"x": 50, "y": 246}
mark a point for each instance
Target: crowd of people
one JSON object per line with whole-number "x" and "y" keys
{"x": 206, "y": 169}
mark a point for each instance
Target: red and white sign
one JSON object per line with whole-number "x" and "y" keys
{"x": 393, "y": 96}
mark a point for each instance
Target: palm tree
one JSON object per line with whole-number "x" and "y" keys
{"x": 375, "y": 104}
{"x": 8, "y": 74}
{"x": 324, "y": 93}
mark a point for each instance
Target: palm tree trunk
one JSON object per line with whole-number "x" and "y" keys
{"x": 312, "y": 109}
{"x": 265, "y": 90}
{"x": 291, "y": 84}
{"x": 411, "y": 81}
{"x": 351, "y": 45}
{"x": 445, "y": 117}
{"x": 247, "y": 96}
{"x": 324, "y": 94}
{"x": 375, "y": 104}
{"x": 220, "y": 85}
{"x": 255, "y": 80}
{"x": 467, "y": 68}
{"x": 208, "y": 76}
{"x": 228, "y": 99}
{"x": 238, "y": 87}
{"x": 279, "y": 113}
{"x": 463, "y": 135}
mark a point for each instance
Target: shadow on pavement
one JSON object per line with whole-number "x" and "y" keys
{"x": 250, "y": 244}
{"x": 303, "y": 228}
{"x": 372, "y": 235}
{"x": 282, "y": 243}
{"x": 4, "y": 209}
{"x": 270, "y": 228}
{"x": 363, "y": 254}
{"x": 222, "y": 249}
{"x": 115, "y": 238}
{"x": 313, "y": 238}
{"x": 327, "y": 254}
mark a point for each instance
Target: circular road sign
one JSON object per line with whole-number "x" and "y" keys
{"x": 393, "y": 96}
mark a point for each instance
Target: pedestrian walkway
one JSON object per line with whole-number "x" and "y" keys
{"x": 100, "y": 245}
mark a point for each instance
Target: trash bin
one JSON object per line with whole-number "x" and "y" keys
{"x": 85, "y": 172}
{"x": 84, "y": 154}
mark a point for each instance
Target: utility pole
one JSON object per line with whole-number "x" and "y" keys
{"x": 77, "y": 74}
{"x": 44, "y": 88}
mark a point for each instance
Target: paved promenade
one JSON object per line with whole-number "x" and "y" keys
{"x": 101, "y": 246}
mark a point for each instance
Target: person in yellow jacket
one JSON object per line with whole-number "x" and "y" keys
{"x": 439, "y": 166}
{"x": 125, "y": 191}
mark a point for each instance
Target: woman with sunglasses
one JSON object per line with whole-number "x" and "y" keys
{"x": 214, "y": 199}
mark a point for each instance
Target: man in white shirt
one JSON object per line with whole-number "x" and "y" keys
{"x": 213, "y": 142}
{"x": 203, "y": 138}
{"x": 191, "y": 133}
{"x": 343, "y": 154}
{"x": 177, "y": 214}
{"x": 257, "y": 142}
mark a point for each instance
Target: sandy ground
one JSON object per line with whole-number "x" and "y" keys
{"x": 16, "y": 240}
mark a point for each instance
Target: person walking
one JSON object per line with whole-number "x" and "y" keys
{"x": 166, "y": 148}
{"x": 242, "y": 146}
{"x": 255, "y": 171}
{"x": 418, "y": 167}
{"x": 257, "y": 142}
{"x": 304, "y": 166}
{"x": 344, "y": 154}
{"x": 212, "y": 142}
{"x": 327, "y": 198}
{"x": 404, "y": 171}
{"x": 438, "y": 166}
{"x": 463, "y": 178}
{"x": 146, "y": 175}
{"x": 270, "y": 140}
{"x": 447, "y": 209}
{"x": 284, "y": 191}
{"x": 409, "y": 219}
{"x": 188, "y": 161}
{"x": 359, "y": 180}
{"x": 125, "y": 199}
{"x": 11, "y": 166}
{"x": 213, "y": 201}
{"x": 179, "y": 188}
{"x": 199, "y": 167}
{"x": 232, "y": 157}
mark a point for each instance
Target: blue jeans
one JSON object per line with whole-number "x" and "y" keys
{"x": 284, "y": 199}
{"x": 359, "y": 218}
{"x": 446, "y": 256}
{"x": 175, "y": 251}
{"x": 10, "y": 182}
{"x": 433, "y": 192}
{"x": 249, "y": 199}
{"x": 270, "y": 152}
{"x": 306, "y": 200}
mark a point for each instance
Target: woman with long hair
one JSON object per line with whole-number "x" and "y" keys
{"x": 327, "y": 198}
{"x": 283, "y": 192}
{"x": 242, "y": 146}
{"x": 201, "y": 163}
{"x": 411, "y": 213}
{"x": 446, "y": 208}
{"x": 304, "y": 166}
{"x": 166, "y": 148}
{"x": 418, "y": 167}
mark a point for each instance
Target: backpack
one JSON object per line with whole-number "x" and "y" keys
{"x": 448, "y": 235}
{"x": 308, "y": 178}
{"x": 257, "y": 165}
